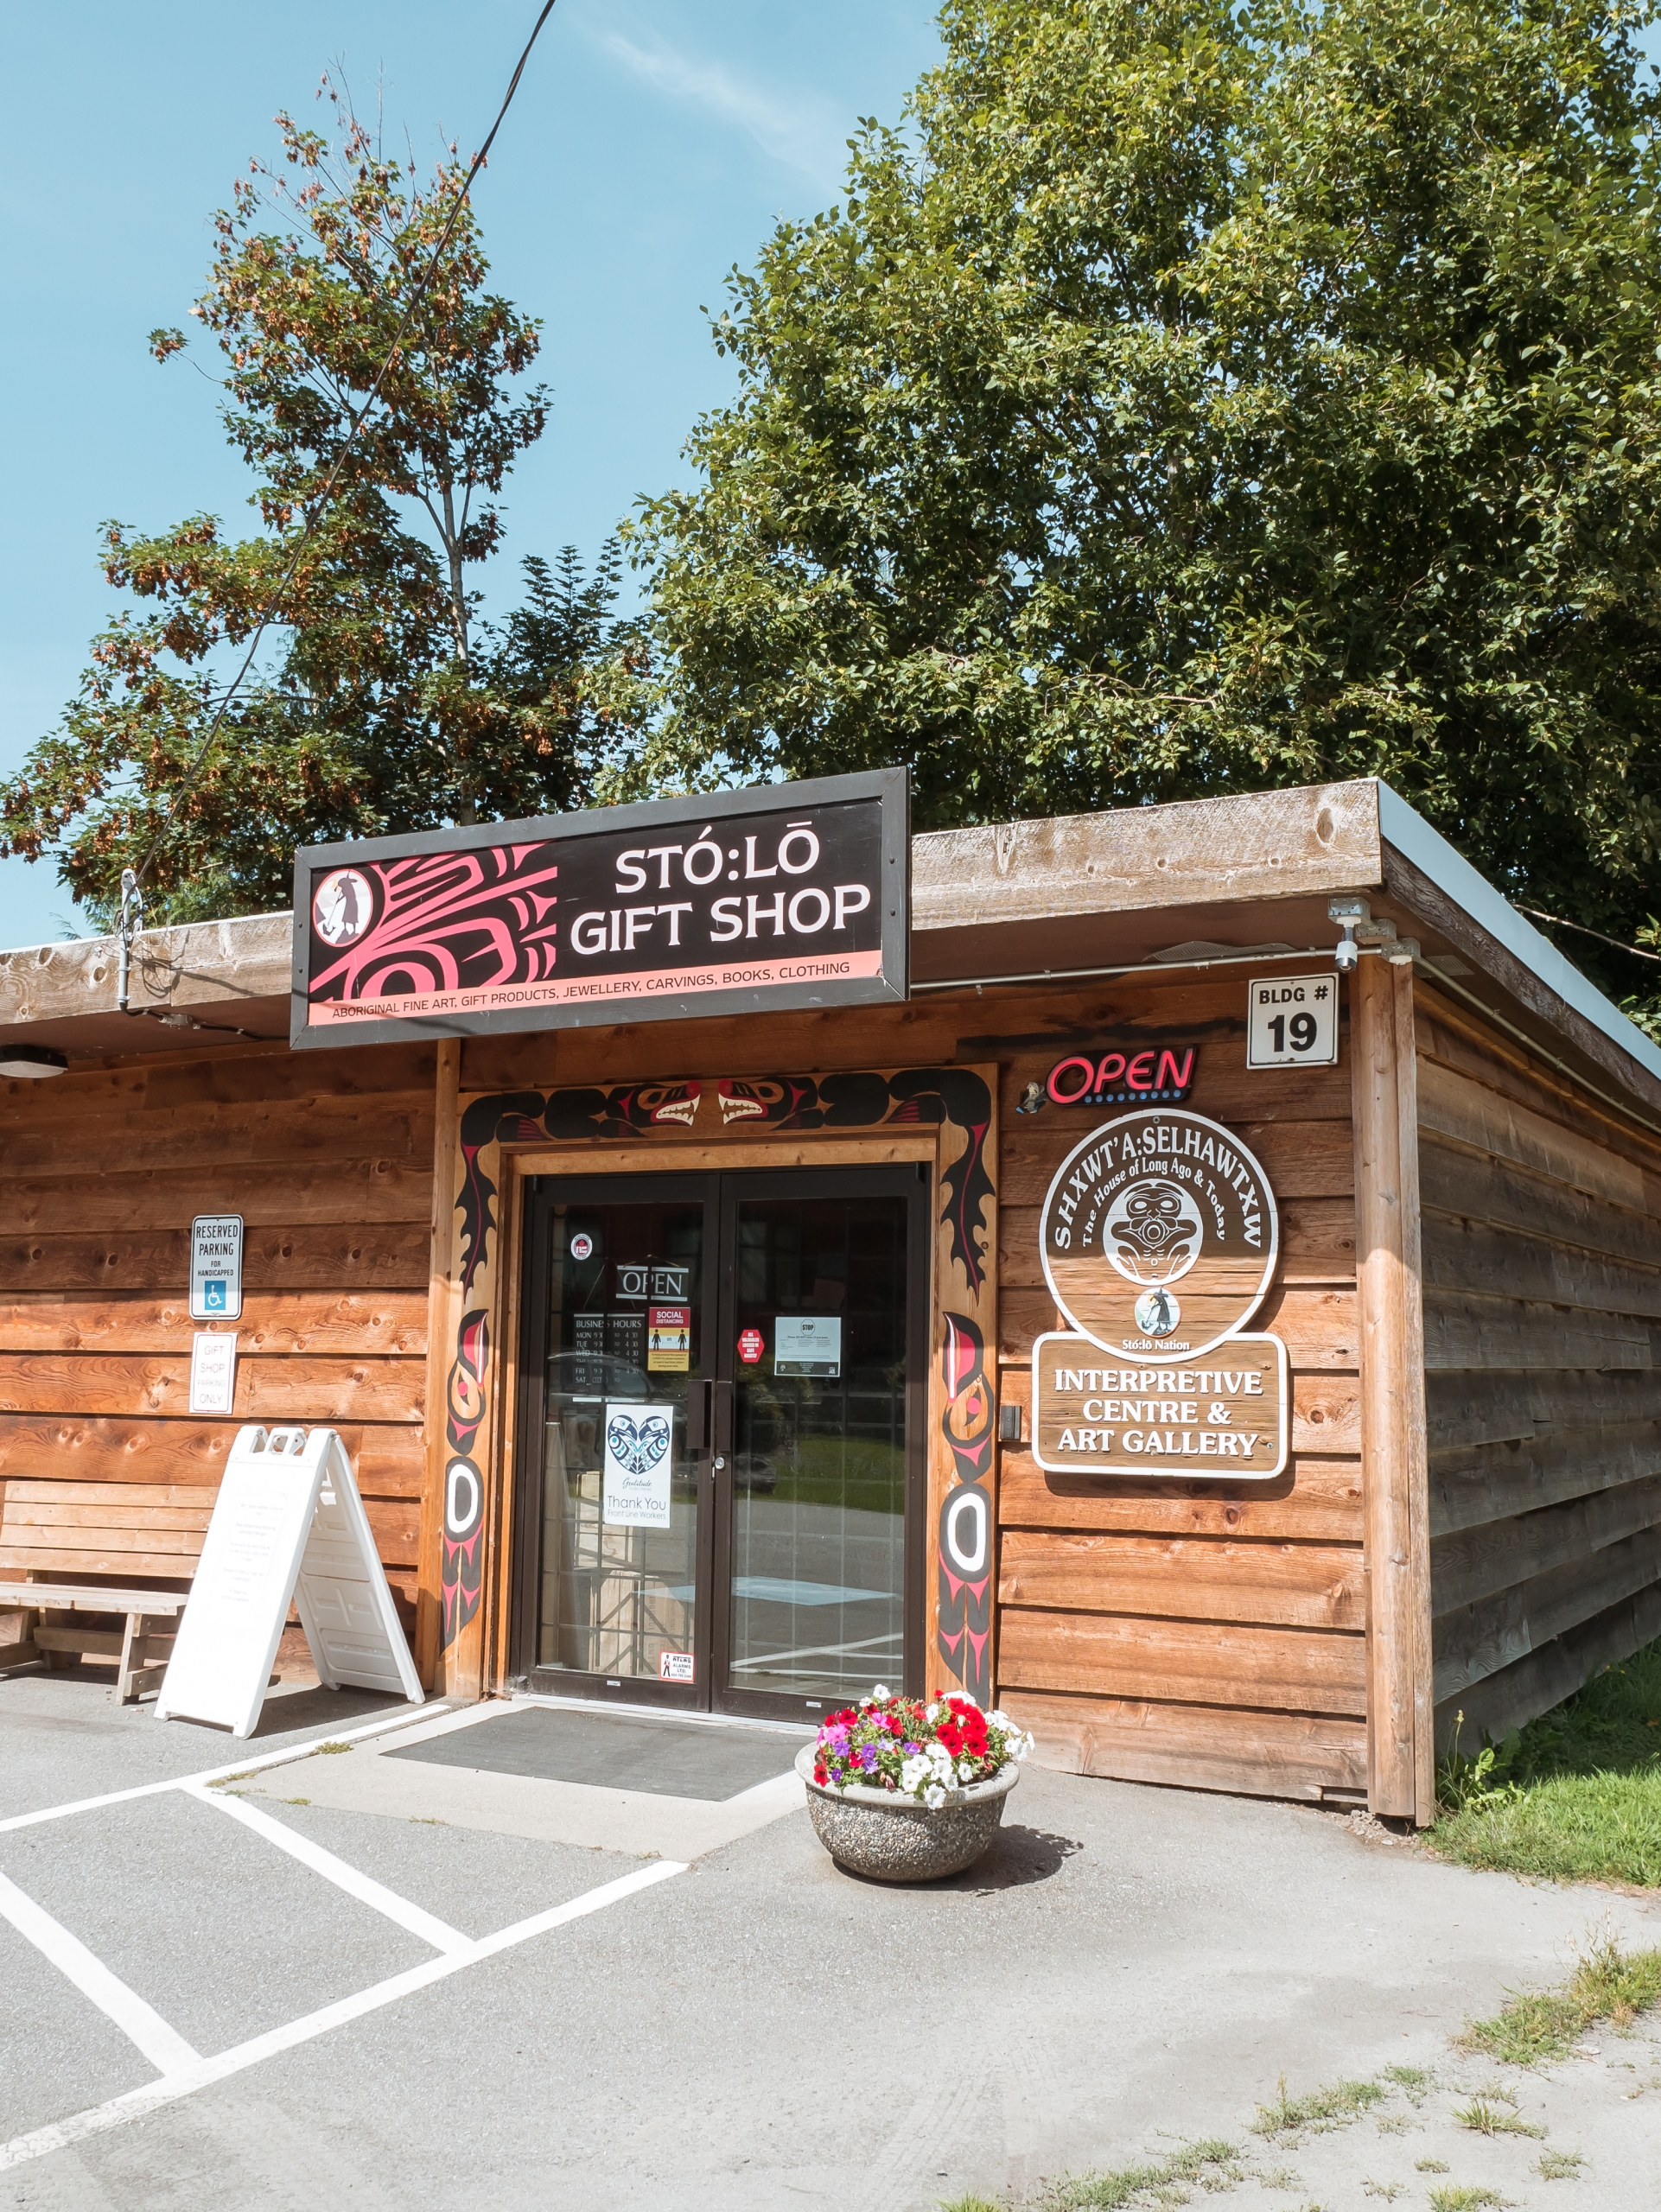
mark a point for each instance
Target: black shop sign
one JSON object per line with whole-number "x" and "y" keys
{"x": 793, "y": 895}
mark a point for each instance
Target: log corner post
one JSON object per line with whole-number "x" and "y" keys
{"x": 440, "y": 1335}
{"x": 1401, "y": 1744}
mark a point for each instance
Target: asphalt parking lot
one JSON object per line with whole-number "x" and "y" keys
{"x": 328, "y": 1987}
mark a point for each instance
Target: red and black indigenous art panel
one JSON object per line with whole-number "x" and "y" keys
{"x": 956, "y": 1098}
{"x": 432, "y": 930}
{"x": 460, "y": 1578}
{"x": 965, "y": 1530}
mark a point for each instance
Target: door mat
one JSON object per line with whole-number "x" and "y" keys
{"x": 609, "y": 1751}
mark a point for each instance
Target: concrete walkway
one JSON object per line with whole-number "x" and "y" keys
{"x": 1129, "y": 1967}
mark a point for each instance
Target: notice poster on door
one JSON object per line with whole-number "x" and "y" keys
{"x": 669, "y": 1339}
{"x": 637, "y": 1459}
{"x": 807, "y": 1344}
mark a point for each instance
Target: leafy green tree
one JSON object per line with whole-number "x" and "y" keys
{"x": 544, "y": 660}
{"x": 383, "y": 707}
{"x": 1193, "y": 399}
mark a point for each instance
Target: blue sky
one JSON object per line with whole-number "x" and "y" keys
{"x": 652, "y": 144}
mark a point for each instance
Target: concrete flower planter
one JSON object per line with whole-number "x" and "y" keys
{"x": 895, "y": 1839}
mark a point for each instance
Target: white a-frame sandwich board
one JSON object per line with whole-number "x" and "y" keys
{"x": 288, "y": 1525}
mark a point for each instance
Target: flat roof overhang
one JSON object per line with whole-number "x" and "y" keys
{"x": 1035, "y": 903}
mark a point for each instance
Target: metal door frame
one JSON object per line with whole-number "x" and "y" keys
{"x": 720, "y": 1191}
{"x": 542, "y": 1194}
{"x": 910, "y": 1181}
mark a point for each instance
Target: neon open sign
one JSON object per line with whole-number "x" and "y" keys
{"x": 1142, "y": 1078}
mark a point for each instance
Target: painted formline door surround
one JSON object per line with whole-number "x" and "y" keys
{"x": 959, "y": 1103}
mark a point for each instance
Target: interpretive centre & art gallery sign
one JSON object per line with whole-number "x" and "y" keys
{"x": 1158, "y": 1238}
{"x": 790, "y": 895}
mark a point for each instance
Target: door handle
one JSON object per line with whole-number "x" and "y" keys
{"x": 699, "y": 1427}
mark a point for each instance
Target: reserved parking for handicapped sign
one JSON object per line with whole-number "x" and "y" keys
{"x": 216, "y": 1266}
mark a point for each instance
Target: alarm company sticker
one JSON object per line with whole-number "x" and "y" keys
{"x": 1159, "y": 1235}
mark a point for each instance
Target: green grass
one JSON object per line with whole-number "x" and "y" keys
{"x": 1574, "y": 1797}
{"x": 1455, "y": 2198}
{"x": 1412, "y": 2081}
{"x": 1608, "y": 1984}
{"x": 1560, "y": 2166}
{"x": 1317, "y": 2112}
{"x": 1212, "y": 2164}
{"x": 857, "y": 1474}
{"x": 1494, "y": 2114}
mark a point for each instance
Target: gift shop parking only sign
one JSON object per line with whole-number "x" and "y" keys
{"x": 1158, "y": 1237}
{"x": 791, "y": 895}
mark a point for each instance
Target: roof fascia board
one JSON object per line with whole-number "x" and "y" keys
{"x": 1253, "y": 847}
{"x": 195, "y": 963}
{"x": 1426, "y": 850}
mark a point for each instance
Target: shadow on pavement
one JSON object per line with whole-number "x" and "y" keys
{"x": 1019, "y": 1857}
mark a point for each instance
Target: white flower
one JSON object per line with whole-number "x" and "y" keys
{"x": 914, "y": 1773}
{"x": 966, "y": 1772}
{"x": 934, "y": 1710}
{"x": 940, "y": 1762}
{"x": 934, "y": 1796}
{"x": 882, "y": 1694}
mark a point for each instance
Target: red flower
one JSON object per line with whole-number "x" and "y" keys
{"x": 821, "y": 1775}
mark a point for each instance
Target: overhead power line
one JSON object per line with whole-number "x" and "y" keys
{"x": 1557, "y": 922}
{"x": 132, "y": 880}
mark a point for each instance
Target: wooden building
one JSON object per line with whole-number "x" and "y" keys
{"x": 841, "y": 1213}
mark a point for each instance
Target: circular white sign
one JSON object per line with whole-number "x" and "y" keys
{"x": 344, "y": 905}
{"x": 1150, "y": 1201}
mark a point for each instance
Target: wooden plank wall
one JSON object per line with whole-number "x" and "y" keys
{"x": 327, "y": 1156}
{"x": 1542, "y": 1242}
{"x": 1204, "y": 1633}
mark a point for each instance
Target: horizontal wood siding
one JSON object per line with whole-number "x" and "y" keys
{"x": 1542, "y": 1241}
{"x": 1205, "y": 1633}
{"x": 327, "y": 1157}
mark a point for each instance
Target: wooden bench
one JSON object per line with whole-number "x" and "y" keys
{"x": 54, "y": 1533}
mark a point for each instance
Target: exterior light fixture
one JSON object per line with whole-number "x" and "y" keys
{"x": 1346, "y": 953}
{"x": 1361, "y": 932}
{"x": 31, "y": 1060}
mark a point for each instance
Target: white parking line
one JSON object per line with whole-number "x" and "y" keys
{"x": 200, "y": 2072}
{"x": 164, "y": 2047}
{"x": 364, "y": 1887}
{"x": 407, "y": 1719}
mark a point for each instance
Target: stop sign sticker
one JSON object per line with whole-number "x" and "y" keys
{"x": 751, "y": 1346}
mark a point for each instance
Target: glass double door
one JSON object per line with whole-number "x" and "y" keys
{"x": 722, "y": 1484}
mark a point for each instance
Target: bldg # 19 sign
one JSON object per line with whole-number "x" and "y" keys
{"x": 1158, "y": 1236}
{"x": 793, "y": 895}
